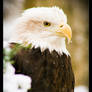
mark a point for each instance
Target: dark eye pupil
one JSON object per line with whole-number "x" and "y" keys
{"x": 47, "y": 24}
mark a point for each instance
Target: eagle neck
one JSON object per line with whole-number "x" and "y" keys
{"x": 53, "y": 43}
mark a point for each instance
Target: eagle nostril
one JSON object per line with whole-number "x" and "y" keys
{"x": 61, "y": 25}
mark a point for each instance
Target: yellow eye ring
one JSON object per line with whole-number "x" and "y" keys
{"x": 47, "y": 24}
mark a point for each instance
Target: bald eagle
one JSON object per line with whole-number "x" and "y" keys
{"x": 47, "y": 62}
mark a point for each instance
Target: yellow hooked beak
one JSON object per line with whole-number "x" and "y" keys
{"x": 65, "y": 31}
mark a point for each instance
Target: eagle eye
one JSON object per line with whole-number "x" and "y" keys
{"x": 47, "y": 24}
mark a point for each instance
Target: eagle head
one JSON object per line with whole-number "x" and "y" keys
{"x": 44, "y": 27}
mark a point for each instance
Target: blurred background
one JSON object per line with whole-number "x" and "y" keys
{"x": 78, "y": 18}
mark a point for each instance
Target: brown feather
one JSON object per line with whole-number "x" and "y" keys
{"x": 50, "y": 72}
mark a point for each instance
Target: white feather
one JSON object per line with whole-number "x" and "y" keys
{"x": 29, "y": 28}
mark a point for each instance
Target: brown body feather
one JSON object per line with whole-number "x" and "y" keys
{"x": 50, "y": 72}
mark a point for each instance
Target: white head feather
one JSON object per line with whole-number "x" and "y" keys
{"x": 29, "y": 28}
